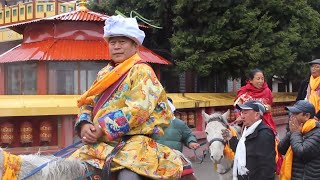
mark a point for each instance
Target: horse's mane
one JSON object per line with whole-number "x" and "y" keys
{"x": 58, "y": 168}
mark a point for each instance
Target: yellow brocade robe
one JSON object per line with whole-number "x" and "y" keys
{"x": 138, "y": 107}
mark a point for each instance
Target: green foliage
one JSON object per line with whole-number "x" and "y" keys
{"x": 235, "y": 36}
{"x": 230, "y": 37}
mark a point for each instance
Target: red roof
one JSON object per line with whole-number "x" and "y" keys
{"x": 69, "y": 50}
{"x": 79, "y": 15}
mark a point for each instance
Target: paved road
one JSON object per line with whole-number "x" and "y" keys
{"x": 205, "y": 170}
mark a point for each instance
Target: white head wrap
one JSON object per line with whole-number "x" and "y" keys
{"x": 120, "y": 26}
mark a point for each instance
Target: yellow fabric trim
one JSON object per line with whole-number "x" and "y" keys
{"x": 286, "y": 168}
{"x": 314, "y": 98}
{"x": 101, "y": 85}
{"x": 11, "y": 166}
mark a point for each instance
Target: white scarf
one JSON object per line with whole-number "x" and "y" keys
{"x": 240, "y": 162}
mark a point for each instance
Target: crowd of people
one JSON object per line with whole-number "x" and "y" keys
{"x": 127, "y": 125}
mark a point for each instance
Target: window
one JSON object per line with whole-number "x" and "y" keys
{"x": 22, "y": 78}
{"x": 62, "y": 8}
{"x": 39, "y": 8}
{"x": 70, "y": 8}
{"x": 7, "y": 14}
{"x": 49, "y": 7}
{"x": 14, "y": 12}
{"x": 72, "y": 77}
{"x": 22, "y": 11}
{"x": 29, "y": 9}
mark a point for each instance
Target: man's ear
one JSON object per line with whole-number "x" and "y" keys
{"x": 308, "y": 116}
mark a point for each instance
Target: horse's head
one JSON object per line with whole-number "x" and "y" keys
{"x": 216, "y": 123}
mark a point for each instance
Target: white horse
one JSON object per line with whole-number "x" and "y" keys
{"x": 216, "y": 123}
{"x": 58, "y": 168}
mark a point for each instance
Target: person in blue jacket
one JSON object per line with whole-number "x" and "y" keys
{"x": 177, "y": 133}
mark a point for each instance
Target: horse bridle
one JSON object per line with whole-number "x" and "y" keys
{"x": 223, "y": 141}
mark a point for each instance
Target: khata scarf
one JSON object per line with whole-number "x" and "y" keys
{"x": 11, "y": 166}
{"x": 286, "y": 168}
{"x": 313, "y": 97}
{"x": 101, "y": 85}
{"x": 240, "y": 160}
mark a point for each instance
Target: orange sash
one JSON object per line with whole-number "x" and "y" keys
{"x": 98, "y": 87}
{"x": 286, "y": 168}
{"x": 314, "y": 98}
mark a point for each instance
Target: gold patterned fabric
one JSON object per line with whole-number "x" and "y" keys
{"x": 138, "y": 107}
{"x": 11, "y": 166}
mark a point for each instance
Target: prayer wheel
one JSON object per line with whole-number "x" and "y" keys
{"x": 26, "y": 137}
{"x": 191, "y": 119}
{"x": 7, "y": 133}
{"x": 45, "y": 132}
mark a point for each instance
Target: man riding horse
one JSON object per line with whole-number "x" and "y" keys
{"x": 124, "y": 106}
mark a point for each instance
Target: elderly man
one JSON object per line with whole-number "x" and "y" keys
{"x": 310, "y": 87}
{"x": 301, "y": 144}
{"x": 124, "y": 106}
{"x": 255, "y": 150}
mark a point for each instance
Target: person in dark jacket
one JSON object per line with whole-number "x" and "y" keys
{"x": 255, "y": 150}
{"x": 301, "y": 144}
{"x": 177, "y": 133}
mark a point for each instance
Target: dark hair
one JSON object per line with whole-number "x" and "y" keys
{"x": 169, "y": 99}
{"x": 254, "y": 72}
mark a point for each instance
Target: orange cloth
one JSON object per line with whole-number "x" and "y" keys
{"x": 286, "y": 168}
{"x": 99, "y": 86}
{"x": 228, "y": 153}
{"x": 11, "y": 166}
{"x": 314, "y": 98}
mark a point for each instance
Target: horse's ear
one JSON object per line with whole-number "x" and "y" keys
{"x": 226, "y": 116}
{"x": 205, "y": 116}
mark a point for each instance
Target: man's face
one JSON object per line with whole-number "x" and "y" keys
{"x": 121, "y": 48}
{"x": 315, "y": 70}
{"x": 249, "y": 117}
{"x": 299, "y": 117}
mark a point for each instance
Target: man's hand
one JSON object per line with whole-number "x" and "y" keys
{"x": 294, "y": 125}
{"x": 268, "y": 107}
{"x": 90, "y": 133}
{"x": 194, "y": 145}
{"x": 226, "y": 134}
{"x": 238, "y": 121}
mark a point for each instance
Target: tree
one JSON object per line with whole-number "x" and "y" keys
{"x": 159, "y": 11}
{"x": 230, "y": 37}
{"x": 233, "y": 36}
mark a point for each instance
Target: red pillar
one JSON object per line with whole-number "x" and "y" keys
{"x": 42, "y": 78}
{"x": 2, "y": 79}
{"x": 200, "y": 125}
{"x": 67, "y": 130}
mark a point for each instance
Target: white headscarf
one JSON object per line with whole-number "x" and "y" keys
{"x": 120, "y": 26}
